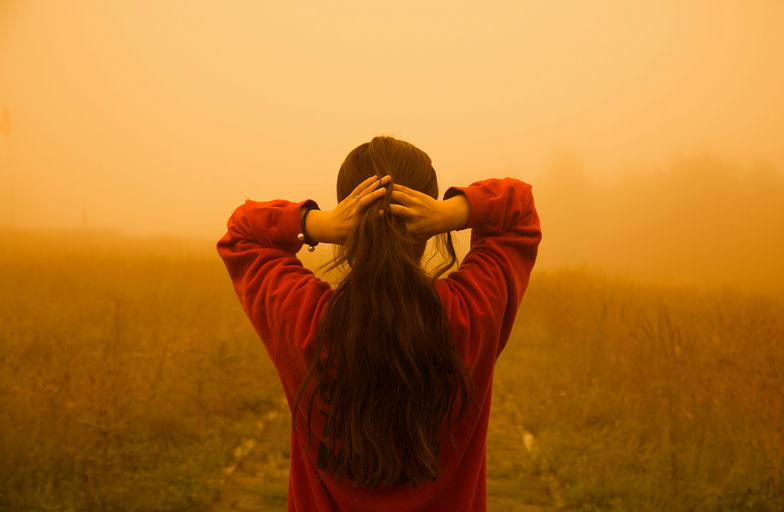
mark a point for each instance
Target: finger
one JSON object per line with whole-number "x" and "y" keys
{"x": 409, "y": 191}
{"x": 369, "y": 184}
{"x": 383, "y": 181}
{"x": 362, "y": 186}
{"x": 369, "y": 198}
{"x": 402, "y": 198}
{"x": 399, "y": 210}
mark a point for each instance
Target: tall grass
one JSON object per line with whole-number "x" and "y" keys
{"x": 127, "y": 375}
{"x": 652, "y": 398}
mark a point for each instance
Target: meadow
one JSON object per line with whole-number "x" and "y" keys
{"x": 646, "y": 397}
{"x": 129, "y": 375}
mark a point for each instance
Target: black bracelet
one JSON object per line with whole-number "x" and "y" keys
{"x": 303, "y": 237}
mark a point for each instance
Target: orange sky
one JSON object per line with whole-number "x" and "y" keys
{"x": 161, "y": 117}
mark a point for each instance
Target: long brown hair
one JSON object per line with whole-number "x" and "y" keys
{"x": 385, "y": 365}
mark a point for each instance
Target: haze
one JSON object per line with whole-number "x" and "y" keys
{"x": 160, "y": 118}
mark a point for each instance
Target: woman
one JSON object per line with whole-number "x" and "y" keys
{"x": 389, "y": 375}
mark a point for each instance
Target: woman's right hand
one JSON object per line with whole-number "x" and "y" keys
{"x": 425, "y": 216}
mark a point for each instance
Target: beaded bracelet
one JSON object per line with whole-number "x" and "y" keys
{"x": 301, "y": 236}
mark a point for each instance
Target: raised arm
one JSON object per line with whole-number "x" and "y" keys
{"x": 259, "y": 250}
{"x": 278, "y": 294}
{"x": 485, "y": 292}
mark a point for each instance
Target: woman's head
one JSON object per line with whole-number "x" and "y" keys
{"x": 407, "y": 164}
{"x": 387, "y": 373}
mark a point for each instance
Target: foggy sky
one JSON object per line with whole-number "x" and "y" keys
{"x": 161, "y": 117}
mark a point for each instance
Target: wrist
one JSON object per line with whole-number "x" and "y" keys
{"x": 315, "y": 227}
{"x": 456, "y": 211}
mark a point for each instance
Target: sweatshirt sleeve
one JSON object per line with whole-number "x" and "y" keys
{"x": 485, "y": 292}
{"x": 278, "y": 294}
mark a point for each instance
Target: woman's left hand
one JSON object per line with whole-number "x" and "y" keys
{"x": 333, "y": 226}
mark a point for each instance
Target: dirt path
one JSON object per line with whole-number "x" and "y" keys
{"x": 512, "y": 486}
{"x": 258, "y": 482}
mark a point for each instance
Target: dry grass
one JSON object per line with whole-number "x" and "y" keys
{"x": 652, "y": 398}
{"x": 128, "y": 374}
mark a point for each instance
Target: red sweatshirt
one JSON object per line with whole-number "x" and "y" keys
{"x": 284, "y": 302}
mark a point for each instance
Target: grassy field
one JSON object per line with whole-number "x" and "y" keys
{"x": 129, "y": 374}
{"x": 652, "y": 398}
